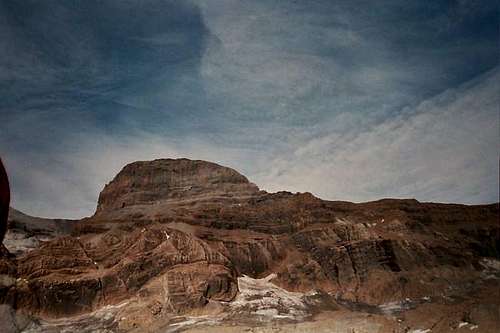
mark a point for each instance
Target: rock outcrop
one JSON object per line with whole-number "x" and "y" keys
{"x": 26, "y": 233}
{"x": 4, "y": 200}
{"x": 175, "y": 235}
{"x": 146, "y": 184}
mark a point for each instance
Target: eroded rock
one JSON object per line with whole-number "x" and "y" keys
{"x": 172, "y": 236}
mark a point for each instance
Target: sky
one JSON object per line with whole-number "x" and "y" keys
{"x": 347, "y": 99}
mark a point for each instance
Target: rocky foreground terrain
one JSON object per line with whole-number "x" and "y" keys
{"x": 182, "y": 245}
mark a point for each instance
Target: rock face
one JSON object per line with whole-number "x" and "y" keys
{"x": 26, "y": 233}
{"x": 173, "y": 236}
{"x": 164, "y": 180}
{"x": 4, "y": 200}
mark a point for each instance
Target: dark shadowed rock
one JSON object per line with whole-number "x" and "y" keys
{"x": 4, "y": 200}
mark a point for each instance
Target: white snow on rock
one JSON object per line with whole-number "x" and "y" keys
{"x": 263, "y": 298}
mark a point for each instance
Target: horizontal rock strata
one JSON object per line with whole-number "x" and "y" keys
{"x": 177, "y": 234}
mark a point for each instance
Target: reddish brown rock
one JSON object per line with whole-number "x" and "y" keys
{"x": 176, "y": 234}
{"x": 160, "y": 181}
{"x": 71, "y": 275}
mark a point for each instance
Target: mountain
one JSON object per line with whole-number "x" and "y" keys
{"x": 178, "y": 244}
{"x": 27, "y": 232}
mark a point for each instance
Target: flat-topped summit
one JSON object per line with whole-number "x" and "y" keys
{"x": 148, "y": 182}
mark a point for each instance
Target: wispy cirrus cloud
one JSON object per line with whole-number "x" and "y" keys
{"x": 444, "y": 149}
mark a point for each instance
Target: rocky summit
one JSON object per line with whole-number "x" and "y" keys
{"x": 154, "y": 183}
{"x": 184, "y": 245}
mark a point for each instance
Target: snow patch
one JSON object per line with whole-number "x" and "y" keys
{"x": 396, "y": 307}
{"x": 491, "y": 263}
{"x": 465, "y": 324}
{"x": 263, "y": 298}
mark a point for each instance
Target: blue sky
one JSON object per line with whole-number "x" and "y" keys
{"x": 349, "y": 100}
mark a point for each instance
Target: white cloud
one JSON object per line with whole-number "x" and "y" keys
{"x": 306, "y": 97}
{"x": 445, "y": 149}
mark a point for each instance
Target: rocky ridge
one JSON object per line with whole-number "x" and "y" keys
{"x": 173, "y": 237}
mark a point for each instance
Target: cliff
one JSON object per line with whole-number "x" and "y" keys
{"x": 170, "y": 237}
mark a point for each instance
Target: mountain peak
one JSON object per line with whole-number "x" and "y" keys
{"x": 150, "y": 182}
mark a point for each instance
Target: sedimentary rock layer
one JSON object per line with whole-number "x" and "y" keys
{"x": 176, "y": 235}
